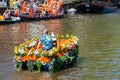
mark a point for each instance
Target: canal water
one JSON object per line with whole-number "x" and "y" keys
{"x": 99, "y": 47}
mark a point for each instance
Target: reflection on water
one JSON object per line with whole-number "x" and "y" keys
{"x": 54, "y": 26}
{"x": 99, "y": 47}
{"x": 25, "y": 75}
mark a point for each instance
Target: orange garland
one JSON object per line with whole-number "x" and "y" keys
{"x": 43, "y": 59}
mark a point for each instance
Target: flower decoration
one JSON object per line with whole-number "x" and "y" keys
{"x": 30, "y": 55}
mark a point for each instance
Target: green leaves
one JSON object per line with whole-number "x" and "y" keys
{"x": 30, "y": 65}
{"x": 38, "y": 64}
{"x": 18, "y": 65}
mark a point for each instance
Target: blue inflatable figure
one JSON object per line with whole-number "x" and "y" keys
{"x": 46, "y": 40}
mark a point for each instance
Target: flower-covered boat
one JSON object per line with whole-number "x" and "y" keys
{"x": 32, "y": 56}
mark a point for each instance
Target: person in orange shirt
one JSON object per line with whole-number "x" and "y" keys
{"x": 54, "y": 3}
{"x": 51, "y": 2}
{"x": 48, "y": 1}
{"x": 23, "y": 10}
{"x": 40, "y": 9}
{"x": 11, "y": 3}
{"x": 54, "y": 12}
{"x": 24, "y": 7}
{"x": 49, "y": 11}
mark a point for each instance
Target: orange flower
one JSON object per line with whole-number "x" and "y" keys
{"x": 59, "y": 54}
{"x": 40, "y": 58}
{"x": 29, "y": 58}
{"x": 25, "y": 58}
{"x": 46, "y": 60}
{"x": 33, "y": 58}
{"x": 43, "y": 59}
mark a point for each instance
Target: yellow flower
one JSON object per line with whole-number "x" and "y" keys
{"x": 21, "y": 45}
{"x": 67, "y": 36}
{"x": 26, "y": 50}
{"x": 16, "y": 49}
{"x": 62, "y": 36}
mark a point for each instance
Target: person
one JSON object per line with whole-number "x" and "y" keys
{"x": 20, "y": 6}
{"x": 6, "y": 15}
{"x": 15, "y": 4}
{"x": 46, "y": 40}
{"x": 54, "y": 12}
{"x": 1, "y": 17}
{"x": 59, "y": 6}
{"x": 24, "y": 7}
{"x": 4, "y": 3}
{"x": 16, "y": 10}
{"x": 31, "y": 12}
{"x": 11, "y": 3}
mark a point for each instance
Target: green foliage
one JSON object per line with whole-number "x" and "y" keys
{"x": 18, "y": 65}
{"x": 30, "y": 65}
{"x": 38, "y": 64}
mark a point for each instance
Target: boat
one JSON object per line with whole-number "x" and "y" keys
{"x": 25, "y": 18}
{"x": 36, "y": 11}
{"x": 89, "y": 7}
{"x": 95, "y": 7}
{"x": 33, "y": 55}
{"x": 12, "y": 20}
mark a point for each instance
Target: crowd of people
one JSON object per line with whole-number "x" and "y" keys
{"x": 46, "y": 9}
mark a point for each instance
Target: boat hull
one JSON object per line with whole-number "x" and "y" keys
{"x": 24, "y": 18}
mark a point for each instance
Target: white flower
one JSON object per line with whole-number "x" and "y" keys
{"x": 33, "y": 43}
{"x": 36, "y": 51}
{"x": 26, "y": 45}
{"x": 43, "y": 63}
{"x": 21, "y": 50}
{"x": 75, "y": 39}
{"x": 50, "y": 52}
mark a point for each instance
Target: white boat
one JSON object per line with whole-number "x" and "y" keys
{"x": 12, "y": 20}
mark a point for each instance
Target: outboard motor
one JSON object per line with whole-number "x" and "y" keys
{"x": 71, "y": 11}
